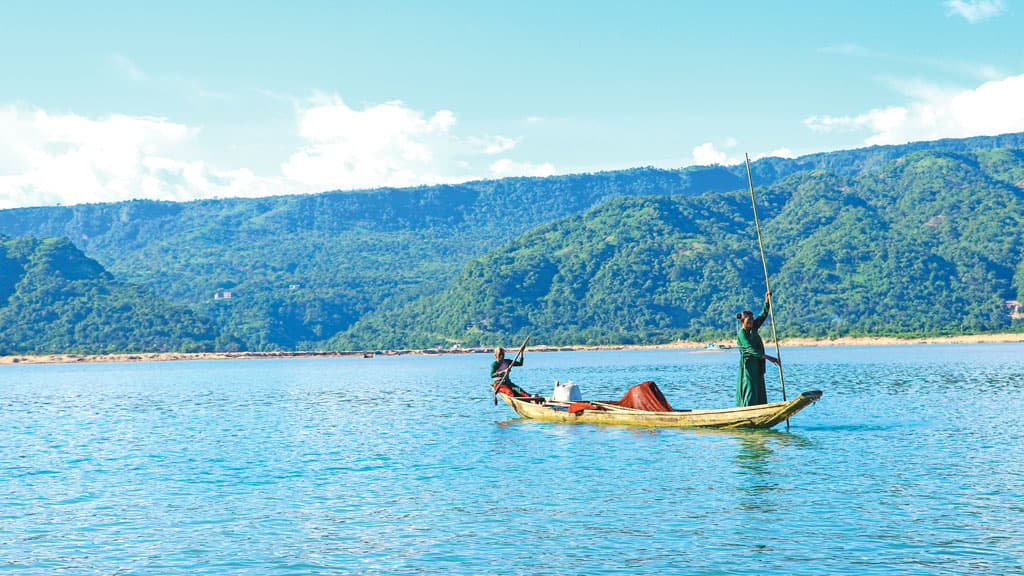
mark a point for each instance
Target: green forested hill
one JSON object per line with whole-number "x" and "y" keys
{"x": 931, "y": 243}
{"x": 302, "y": 268}
{"x": 54, "y": 299}
{"x": 351, "y": 268}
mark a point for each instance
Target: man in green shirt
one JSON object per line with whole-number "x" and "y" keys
{"x": 750, "y": 389}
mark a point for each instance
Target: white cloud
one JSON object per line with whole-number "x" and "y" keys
{"x": 48, "y": 158}
{"x": 992, "y": 108}
{"x": 68, "y": 159}
{"x": 500, "y": 144}
{"x": 505, "y": 168}
{"x": 707, "y": 154}
{"x": 975, "y": 10}
{"x": 778, "y": 153}
{"x": 382, "y": 145}
{"x": 490, "y": 146}
{"x": 391, "y": 144}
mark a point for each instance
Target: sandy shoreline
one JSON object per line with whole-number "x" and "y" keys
{"x": 680, "y": 345}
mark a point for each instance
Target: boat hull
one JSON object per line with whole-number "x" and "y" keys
{"x": 761, "y": 416}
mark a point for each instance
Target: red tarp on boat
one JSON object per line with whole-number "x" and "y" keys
{"x": 510, "y": 391}
{"x": 645, "y": 396}
{"x": 580, "y": 407}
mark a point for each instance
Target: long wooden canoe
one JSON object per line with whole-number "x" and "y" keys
{"x": 761, "y": 416}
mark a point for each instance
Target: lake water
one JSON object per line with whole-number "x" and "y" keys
{"x": 912, "y": 463}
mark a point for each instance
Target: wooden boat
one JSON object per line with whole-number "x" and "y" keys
{"x": 715, "y": 346}
{"x": 762, "y": 416}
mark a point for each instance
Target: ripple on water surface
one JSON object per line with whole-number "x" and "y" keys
{"x": 910, "y": 464}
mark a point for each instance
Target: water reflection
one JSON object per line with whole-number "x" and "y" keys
{"x": 404, "y": 466}
{"x": 758, "y": 467}
{"x": 753, "y": 455}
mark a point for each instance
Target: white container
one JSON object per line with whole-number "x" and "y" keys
{"x": 567, "y": 392}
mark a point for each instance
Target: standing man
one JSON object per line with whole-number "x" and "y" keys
{"x": 750, "y": 389}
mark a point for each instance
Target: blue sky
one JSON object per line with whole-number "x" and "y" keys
{"x": 106, "y": 101}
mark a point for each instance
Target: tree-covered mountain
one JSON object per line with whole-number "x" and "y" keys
{"x": 54, "y": 299}
{"x": 931, "y": 243}
{"x": 304, "y": 271}
{"x": 300, "y": 269}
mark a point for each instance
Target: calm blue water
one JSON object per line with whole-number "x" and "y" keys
{"x": 912, "y": 463}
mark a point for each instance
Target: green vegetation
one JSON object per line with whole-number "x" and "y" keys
{"x": 915, "y": 239}
{"x": 930, "y": 244}
{"x": 53, "y": 299}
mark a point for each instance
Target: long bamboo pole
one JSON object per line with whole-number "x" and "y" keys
{"x": 767, "y": 282}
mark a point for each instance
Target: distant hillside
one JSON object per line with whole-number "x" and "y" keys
{"x": 931, "y": 243}
{"x": 300, "y": 270}
{"x": 54, "y": 299}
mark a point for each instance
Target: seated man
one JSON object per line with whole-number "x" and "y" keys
{"x": 500, "y": 369}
